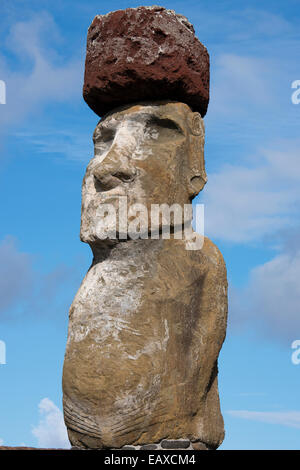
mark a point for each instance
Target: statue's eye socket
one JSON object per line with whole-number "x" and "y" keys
{"x": 164, "y": 129}
{"x": 103, "y": 140}
{"x": 107, "y": 134}
{"x": 167, "y": 124}
{"x": 104, "y": 135}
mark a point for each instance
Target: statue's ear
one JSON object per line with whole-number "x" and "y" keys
{"x": 196, "y": 124}
{"x": 196, "y": 172}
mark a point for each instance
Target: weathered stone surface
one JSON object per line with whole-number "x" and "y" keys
{"x": 145, "y": 53}
{"x": 199, "y": 446}
{"x": 149, "y": 319}
{"x": 149, "y": 447}
{"x": 146, "y": 328}
{"x": 165, "y": 444}
{"x": 178, "y": 444}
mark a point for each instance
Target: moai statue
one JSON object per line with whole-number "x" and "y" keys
{"x": 149, "y": 319}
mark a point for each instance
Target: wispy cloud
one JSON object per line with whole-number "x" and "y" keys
{"x": 270, "y": 300}
{"x": 272, "y": 297}
{"x": 245, "y": 202}
{"x": 40, "y": 74}
{"x": 285, "y": 418}
{"x": 238, "y": 80}
{"x": 254, "y": 57}
{"x": 72, "y": 144}
{"x": 259, "y": 200}
{"x": 51, "y": 431}
{"x": 26, "y": 291}
{"x": 244, "y": 24}
{"x": 16, "y": 274}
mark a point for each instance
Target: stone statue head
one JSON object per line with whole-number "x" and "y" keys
{"x": 150, "y": 153}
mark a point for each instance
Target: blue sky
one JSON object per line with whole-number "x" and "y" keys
{"x": 251, "y": 207}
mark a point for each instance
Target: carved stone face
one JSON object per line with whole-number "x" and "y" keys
{"x": 150, "y": 153}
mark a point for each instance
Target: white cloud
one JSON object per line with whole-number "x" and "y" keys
{"x": 39, "y": 74}
{"x": 252, "y": 22}
{"x": 246, "y": 202}
{"x": 254, "y": 202}
{"x": 274, "y": 296}
{"x": 252, "y": 67}
{"x": 285, "y": 418}
{"x": 239, "y": 80}
{"x": 1, "y": 442}
{"x": 270, "y": 301}
{"x": 241, "y": 24}
{"x": 73, "y": 144}
{"x": 51, "y": 431}
{"x": 22, "y": 288}
{"x": 26, "y": 292}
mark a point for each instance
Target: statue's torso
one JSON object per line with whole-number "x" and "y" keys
{"x": 145, "y": 327}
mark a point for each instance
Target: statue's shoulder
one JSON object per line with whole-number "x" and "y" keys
{"x": 210, "y": 255}
{"x": 210, "y": 249}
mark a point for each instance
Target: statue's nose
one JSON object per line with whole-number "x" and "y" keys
{"x": 113, "y": 170}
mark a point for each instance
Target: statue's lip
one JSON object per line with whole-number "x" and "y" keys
{"x": 113, "y": 192}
